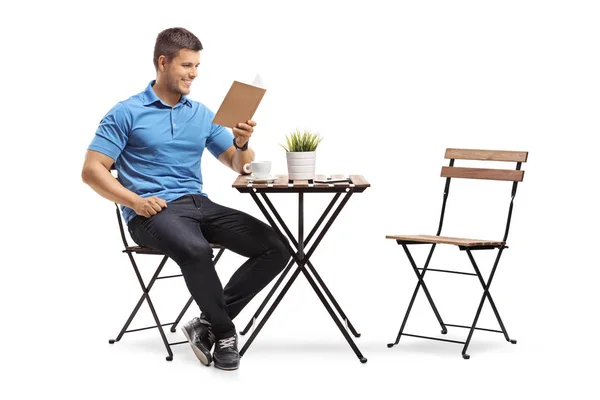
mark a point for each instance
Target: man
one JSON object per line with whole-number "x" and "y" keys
{"x": 155, "y": 140}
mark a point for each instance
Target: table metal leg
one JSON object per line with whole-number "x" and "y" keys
{"x": 316, "y": 243}
{"x": 334, "y": 317}
{"x": 270, "y": 311}
{"x": 332, "y": 299}
{"x": 309, "y": 264}
{"x": 266, "y": 300}
{"x": 302, "y": 260}
{"x": 287, "y": 269}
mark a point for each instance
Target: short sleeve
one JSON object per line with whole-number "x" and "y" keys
{"x": 219, "y": 140}
{"x": 113, "y": 132}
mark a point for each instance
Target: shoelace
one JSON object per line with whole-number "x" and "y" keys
{"x": 228, "y": 342}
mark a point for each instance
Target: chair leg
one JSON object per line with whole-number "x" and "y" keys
{"x": 146, "y": 296}
{"x": 420, "y": 284}
{"x": 134, "y": 312}
{"x": 160, "y": 330}
{"x": 145, "y": 292}
{"x": 473, "y": 326}
{"x": 486, "y": 294}
{"x": 181, "y": 314}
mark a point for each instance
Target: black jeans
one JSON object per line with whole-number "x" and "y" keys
{"x": 183, "y": 232}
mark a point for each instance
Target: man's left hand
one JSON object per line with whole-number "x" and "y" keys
{"x": 243, "y": 131}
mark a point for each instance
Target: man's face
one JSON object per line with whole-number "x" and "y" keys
{"x": 181, "y": 71}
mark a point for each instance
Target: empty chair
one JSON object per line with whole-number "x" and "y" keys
{"x": 467, "y": 245}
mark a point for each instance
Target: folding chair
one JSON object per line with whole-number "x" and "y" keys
{"x": 463, "y": 244}
{"x": 130, "y": 251}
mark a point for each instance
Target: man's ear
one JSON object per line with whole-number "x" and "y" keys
{"x": 162, "y": 62}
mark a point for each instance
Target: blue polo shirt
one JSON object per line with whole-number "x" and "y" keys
{"x": 158, "y": 148}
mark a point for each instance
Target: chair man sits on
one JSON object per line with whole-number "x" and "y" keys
{"x": 130, "y": 251}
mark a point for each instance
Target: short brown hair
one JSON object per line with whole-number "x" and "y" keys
{"x": 171, "y": 40}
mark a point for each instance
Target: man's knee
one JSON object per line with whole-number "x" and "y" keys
{"x": 279, "y": 249}
{"x": 193, "y": 255}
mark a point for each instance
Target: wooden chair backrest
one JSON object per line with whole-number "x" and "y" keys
{"x": 514, "y": 175}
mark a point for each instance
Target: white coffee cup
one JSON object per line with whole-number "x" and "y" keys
{"x": 259, "y": 169}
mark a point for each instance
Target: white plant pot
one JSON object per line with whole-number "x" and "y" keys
{"x": 301, "y": 165}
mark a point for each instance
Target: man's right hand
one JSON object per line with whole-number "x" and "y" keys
{"x": 149, "y": 206}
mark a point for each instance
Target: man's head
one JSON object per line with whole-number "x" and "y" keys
{"x": 176, "y": 59}
{"x": 170, "y": 41}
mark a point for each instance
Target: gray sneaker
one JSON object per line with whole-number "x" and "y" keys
{"x": 199, "y": 333}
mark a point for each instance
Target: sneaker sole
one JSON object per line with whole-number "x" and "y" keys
{"x": 204, "y": 359}
{"x": 227, "y": 367}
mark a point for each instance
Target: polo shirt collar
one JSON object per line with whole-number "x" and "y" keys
{"x": 150, "y": 97}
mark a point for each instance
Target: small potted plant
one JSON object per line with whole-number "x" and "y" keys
{"x": 301, "y": 153}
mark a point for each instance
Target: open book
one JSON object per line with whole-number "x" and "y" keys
{"x": 239, "y": 104}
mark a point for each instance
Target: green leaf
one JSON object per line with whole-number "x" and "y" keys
{"x": 299, "y": 141}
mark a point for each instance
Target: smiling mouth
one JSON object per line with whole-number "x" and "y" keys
{"x": 187, "y": 82}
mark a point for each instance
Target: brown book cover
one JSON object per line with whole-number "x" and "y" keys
{"x": 239, "y": 104}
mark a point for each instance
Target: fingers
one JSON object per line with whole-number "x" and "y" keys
{"x": 151, "y": 206}
{"x": 147, "y": 213}
{"x": 157, "y": 200}
{"x": 244, "y": 131}
{"x": 157, "y": 203}
{"x": 150, "y": 210}
{"x": 248, "y": 126}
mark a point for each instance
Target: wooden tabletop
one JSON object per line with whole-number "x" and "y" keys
{"x": 357, "y": 183}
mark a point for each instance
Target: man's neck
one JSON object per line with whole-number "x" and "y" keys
{"x": 164, "y": 94}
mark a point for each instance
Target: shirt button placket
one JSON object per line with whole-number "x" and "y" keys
{"x": 172, "y": 125}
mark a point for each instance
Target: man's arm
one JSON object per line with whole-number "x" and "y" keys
{"x": 96, "y": 173}
{"x": 233, "y": 158}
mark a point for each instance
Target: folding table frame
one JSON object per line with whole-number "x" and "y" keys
{"x": 301, "y": 256}
{"x": 466, "y": 245}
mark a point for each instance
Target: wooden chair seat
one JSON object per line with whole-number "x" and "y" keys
{"x": 148, "y": 250}
{"x": 446, "y": 240}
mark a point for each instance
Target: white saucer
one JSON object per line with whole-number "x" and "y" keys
{"x": 259, "y": 180}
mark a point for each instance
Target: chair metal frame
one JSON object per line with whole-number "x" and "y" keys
{"x": 466, "y": 245}
{"x": 130, "y": 251}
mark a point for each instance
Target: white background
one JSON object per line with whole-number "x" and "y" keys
{"x": 390, "y": 85}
